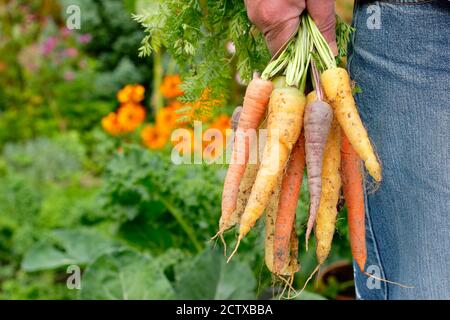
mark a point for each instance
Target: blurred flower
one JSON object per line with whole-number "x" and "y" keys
{"x": 69, "y": 75}
{"x": 2, "y": 66}
{"x": 49, "y": 45}
{"x": 71, "y": 52}
{"x": 138, "y": 93}
{"x": 174, "y": 105}
{"x": 30, "y": 18}
{"x": 65, "y": 32}
{"x": 130, "y": 116}
{"x": 170, "y": 88}
{"x": 131, "y": 93}
{"x": 124, "y": 94}
{"x": 222, "y": 123}
{"x": 166, "y": 119}
{"x": 85, "y": 38}
{"x": 153, "y": 137}
{"x": 111, "y": 124}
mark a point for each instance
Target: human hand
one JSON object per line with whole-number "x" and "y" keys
{"x": 278, "y": 20}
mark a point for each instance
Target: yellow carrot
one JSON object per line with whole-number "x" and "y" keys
{"x": 336, "y": 84}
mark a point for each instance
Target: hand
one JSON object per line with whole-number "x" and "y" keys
{"x": 279, "y": 19}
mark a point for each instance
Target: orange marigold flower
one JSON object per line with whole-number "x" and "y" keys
{"x": 138, "y": 93}
{"x": 153, "y": 137}
{"x": 130, "y": 116}
{"x": 124, "y": 95}
{"x": 170, "y": 88}
{"x": 111, "y": 124}
{"x": 166, "y": 119}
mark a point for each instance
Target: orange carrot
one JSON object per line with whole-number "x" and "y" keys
{"x": 287, "y": 205}
{"x": 354, "y": 196}
{"x": 255, "y": 103}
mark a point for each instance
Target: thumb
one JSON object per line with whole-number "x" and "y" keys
{"x": 324, "y": 15}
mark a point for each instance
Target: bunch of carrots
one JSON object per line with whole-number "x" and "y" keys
{"x": 321, "y": 132}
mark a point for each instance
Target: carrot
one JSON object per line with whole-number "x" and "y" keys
{"x": 294, "y": 265}
{"x": 247, "y": 181}
{"x": 354, "y": 196}
{"x": 287, "y": 206}
{"x": 318, "y": 118}
{"x": 255, "y": 103}
{"x": 271, "y": 216}
{"x": 331, "y": 186}
{"x": 336, "y": 84}
{"x": 284, "y": 124}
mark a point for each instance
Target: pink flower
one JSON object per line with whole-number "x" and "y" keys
{"x": 49, "y": 45}
{"x": 69, "y": 76}
{"x": 65, "y": 33}
{"x": 71, "y": 52}
{"x": 85, "y": 38}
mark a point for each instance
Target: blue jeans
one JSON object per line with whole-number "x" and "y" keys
{"x": 401, "y": 62}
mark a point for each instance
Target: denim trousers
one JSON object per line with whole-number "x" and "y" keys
{"x": 399, "y": 56}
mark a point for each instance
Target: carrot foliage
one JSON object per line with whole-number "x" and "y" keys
{"x": 198, "y": 34}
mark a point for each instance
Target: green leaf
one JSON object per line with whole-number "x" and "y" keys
{"x": 65, "y": 247}
{"x": 208, "y": 277}
{"x": 123, "y": 275}
{"x": 44, "y": 256}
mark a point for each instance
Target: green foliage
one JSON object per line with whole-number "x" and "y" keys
{"x": 125, "y": 275}
{"x": 33, "y": 158}
{"x": 209, "y": 277}
{"x": 139, "y": 182}
{"x": 115, "y": 41}
{"x": 196, "y": 34}
{"x": 343, "y": 32}
{"x": 66, "y": 247}
{"x": 42, "y": 286}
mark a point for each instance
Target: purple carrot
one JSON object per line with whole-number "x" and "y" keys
{"x": 318, "y": 118}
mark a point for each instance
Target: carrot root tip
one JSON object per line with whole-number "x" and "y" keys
{"x": 235, "y": 250}
{"x": 388, "y": 281}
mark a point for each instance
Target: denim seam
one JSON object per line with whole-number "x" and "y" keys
{"x": 376, "y": 245}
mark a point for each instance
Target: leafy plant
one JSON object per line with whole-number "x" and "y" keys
{"x": 125, "y": 275}
{"x": 66, "y": 247}
{"x": 138, "y": 181}
{"x": 196, "y": 35}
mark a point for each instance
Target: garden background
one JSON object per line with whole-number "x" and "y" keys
{"x": 86, "y": 178}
